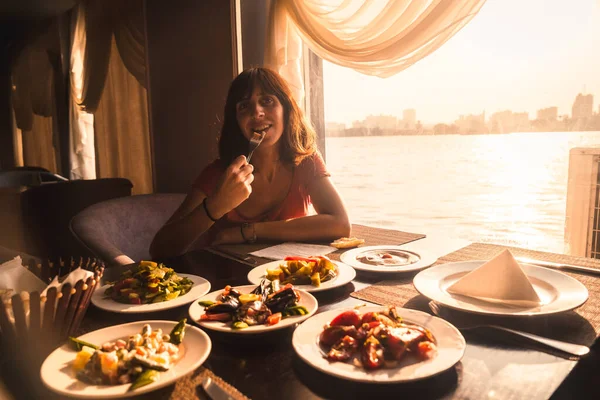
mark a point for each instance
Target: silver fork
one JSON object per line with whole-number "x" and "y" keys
{"x": 461, "y": 324}
{"x": 255, "y": 140}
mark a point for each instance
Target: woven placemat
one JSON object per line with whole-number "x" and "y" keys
{"x": 373, "y": 236}
{"x": 190, "y": 387}
{"x": 579, "y": 326}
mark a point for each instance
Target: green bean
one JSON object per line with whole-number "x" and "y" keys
{"x": 145, "y": 378}
{"x": 178, "y": 332}
{"x": 80, "y": 343}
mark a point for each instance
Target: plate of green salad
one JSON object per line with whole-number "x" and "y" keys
{"x": 147, "y": 287}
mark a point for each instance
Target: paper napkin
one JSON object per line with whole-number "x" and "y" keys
{"x": 13, "y": 275}
{"x": 500, "y": 280}
{"x": 280, "y": 251}
{"x": 15, "y": 278}
{"x": 72, "y": 278}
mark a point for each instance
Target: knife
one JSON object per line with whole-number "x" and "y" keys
{"x": 214, "y": 391}
{"x": 559, "y": 266}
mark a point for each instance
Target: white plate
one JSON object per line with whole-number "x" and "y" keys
{"x": 345, "y": 274}
{"x": 558, "y": 292}
{"x": 350, "y": 257}
{"x": 196, "y": 310}
{"x": 200, "y": 288}
{"x": 450, "y": 344}
{"x": 57, "y": 372}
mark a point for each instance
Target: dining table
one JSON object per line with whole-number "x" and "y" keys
{"x": 265, "y": 366}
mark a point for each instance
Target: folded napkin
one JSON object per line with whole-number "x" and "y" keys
{"x": 72, "y": 278}
{"x": 15, "y": 278}
{"x": 280, "y": 251}
{"x": 500, "y": 280}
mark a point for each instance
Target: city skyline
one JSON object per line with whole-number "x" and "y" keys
{"x": 540, "y": 113}
{"x": 543, "y": 60}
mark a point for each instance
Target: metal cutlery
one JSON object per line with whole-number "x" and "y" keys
{"x": 559, "y": 266}
{"x": 214, "y": 391}
{"x": 230, "y": 254}
{"x": 565, "y": 347}
{"x": 255, "y": 140}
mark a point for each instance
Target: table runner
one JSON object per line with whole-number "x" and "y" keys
{"x": 373, "y": 236}
{"x": 579, "y": 326}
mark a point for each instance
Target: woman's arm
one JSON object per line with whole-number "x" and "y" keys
{"x": 185, "y": 226}
{"x": 190, "y": 221}
{"x": 331, "y": 222}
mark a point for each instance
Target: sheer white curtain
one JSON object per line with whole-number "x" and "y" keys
{"x": 82, "y": 153}
{"x": 374, "y": 37}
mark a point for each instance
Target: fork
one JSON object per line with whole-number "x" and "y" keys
{"x": 255, "y": 140}
{"x": 565, "y": 347}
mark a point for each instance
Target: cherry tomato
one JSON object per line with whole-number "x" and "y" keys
{"x": 273, "y": 318}
{"x": 347, "y": 318}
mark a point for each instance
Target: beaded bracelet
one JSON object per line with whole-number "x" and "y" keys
{"x": 207, "y": 212}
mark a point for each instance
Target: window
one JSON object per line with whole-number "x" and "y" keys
{"x": 473, "y": 141}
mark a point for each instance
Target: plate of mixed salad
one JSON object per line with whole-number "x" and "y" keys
{"x": 125, "y": 360}
{"x": 251, "y": 309}
{"x": 312, "y": 274}
{"x": 147, "y": 287}
{"x": 378, "y": 344}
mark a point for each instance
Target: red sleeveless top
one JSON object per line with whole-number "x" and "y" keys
{"x": 296, "y": 203}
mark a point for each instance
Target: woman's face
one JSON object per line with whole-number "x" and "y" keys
{"x": 261, "y": 112}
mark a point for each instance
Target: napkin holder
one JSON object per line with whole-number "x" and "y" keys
{"x": 38, "y": 327}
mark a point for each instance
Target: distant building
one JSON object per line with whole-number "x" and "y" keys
{"x": 334, "y": 129}
{"x": 507, "y": 122}
{"x": 384, "y": 122}
{"x": 359, "y": 124}
{"x": 409, "y": 119}
{"x": 583, "y": 106}
{"x": 547, "y": 114}
{"x": 471, "y": 124}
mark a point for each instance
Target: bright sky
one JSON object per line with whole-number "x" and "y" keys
{"x": 519, "y": 55}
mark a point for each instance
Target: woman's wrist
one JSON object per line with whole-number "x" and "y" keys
{"x": 212, "y": 211}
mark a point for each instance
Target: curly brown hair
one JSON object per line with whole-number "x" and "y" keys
{"x": 299, "y": 138}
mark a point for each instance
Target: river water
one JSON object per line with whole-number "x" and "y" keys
{"x": 509, "y": 189}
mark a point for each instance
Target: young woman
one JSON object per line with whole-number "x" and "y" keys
{"x": 233, "y": 201}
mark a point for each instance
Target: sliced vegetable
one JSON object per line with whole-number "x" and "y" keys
{"x": 78, "y": 344}
{"x": 239, "y": 325}
{"x": 295, "y": 310}
{"x": 273, "y": 319}
{"x": 145, "y": 378}
{"x": 246, "y": 298}
{"x": 178, "y": 332}
{"x": 206, "y": 303}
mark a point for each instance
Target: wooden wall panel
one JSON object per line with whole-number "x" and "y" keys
{"x": 190, "y": 67}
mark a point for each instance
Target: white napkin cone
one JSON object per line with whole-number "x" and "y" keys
{"x": 500, "y": 280}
